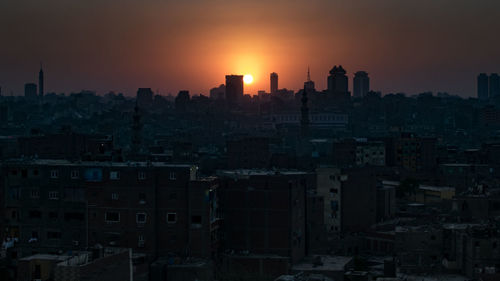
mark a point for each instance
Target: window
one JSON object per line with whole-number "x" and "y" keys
{"x": 75, "y": 174}
{"x": 35, "y": 193}
{"x": 74, "y": 216}
{"x": 54, "y": 174}
{"x": 93, "y": 175}
{"x": 53, "y": 195}
{"x": 171, "y": 217}
{"x": 140, "y": 217}
{"x": 35, "y": 214}
{"x": 142, "y": 198}
{"x": 195, "y": 219}
{"x": 74, "y": 194}
{"x": 15, "y": 193}
{"x": 53, "y": 235}
{"x": 172, "y": 175}
{"x": 24, "y": 173}
{"x": 34, "y": 234}
{"x": 114, "y": 175}
{"x": 112, "y": 217}
{"x": 141, "y": 175}
{"x": 35, "y": 172}
{"x": 13, "y": 172}
{"x": 140, "y": 241}
{"x": 53, "y": 215}
{"x": 114, "y": 196}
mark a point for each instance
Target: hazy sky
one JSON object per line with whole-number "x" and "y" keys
{"x": 405, "y": 45}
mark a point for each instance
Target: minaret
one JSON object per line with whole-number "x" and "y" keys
{"x": 40, "y": 82}
{"x": 304, "y": 110}
{"x": 309, "y": 85}
{"x": 136, "y": 130}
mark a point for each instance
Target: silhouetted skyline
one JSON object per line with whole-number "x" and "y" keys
{"x": 406, "y": 46}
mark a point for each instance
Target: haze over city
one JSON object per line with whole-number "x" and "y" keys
{"x": 405, "y": 46}
{"x": 265, "y": 140}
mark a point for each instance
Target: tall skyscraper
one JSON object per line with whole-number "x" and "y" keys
{"x": 482, "y": 86}
{"x": 234, "y": 88}
{"x": 361, "y": 84}
{"x": 309, "y": 84}
{"x": 144, "y": 97}
{"x": 338, "y": 81}
{"x": 40, "y": 81}
{"x": 274, "y": 82}
{"x": 30, "y": 90}
{"x": 494, "y": 86}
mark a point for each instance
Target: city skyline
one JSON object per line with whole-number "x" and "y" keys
{"x": 437, "y": 46}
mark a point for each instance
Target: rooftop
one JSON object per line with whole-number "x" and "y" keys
{"x": 51, "y": 162}
{"x": 244, "y": 173}
{"x": 437, "y": 188}
{"x": 45, "y": 257}
{"x": 328, "y": 263}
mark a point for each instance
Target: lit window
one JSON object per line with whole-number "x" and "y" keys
{"x": 171, "y": 217}
{"x": 172, "y": 176}
{"x": 114, "y": 196}
{"x": 54, "y": 174}
{"x": 53, "y": 195}
{"x": 141, "y": 176}
{"x": 114, "y": 175}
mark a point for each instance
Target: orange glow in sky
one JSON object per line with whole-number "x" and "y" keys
{"x": 407, "y": 46}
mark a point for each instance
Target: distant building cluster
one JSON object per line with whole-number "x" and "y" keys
{"x": 286, "y": 185}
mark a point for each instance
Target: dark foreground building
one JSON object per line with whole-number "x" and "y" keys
{"x": 154, "y": 208}
{"x": 264, "y": 219}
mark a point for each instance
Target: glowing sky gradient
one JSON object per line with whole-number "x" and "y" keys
{"x": 170, "y": 45}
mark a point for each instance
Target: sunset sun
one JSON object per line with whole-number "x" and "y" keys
{"x": 248, "y": 79}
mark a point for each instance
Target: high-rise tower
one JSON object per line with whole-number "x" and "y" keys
{"x": 482, "y": 86}
{"x": 30, "y": 91}
{"x": 234, "y": 88}
{"x": 40, "y": 82}
{"x": 361, "y": 84}
{"x": 274, "y": 82}
{"x": 494, "y": 86}
{"x": 338, "y": 81}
